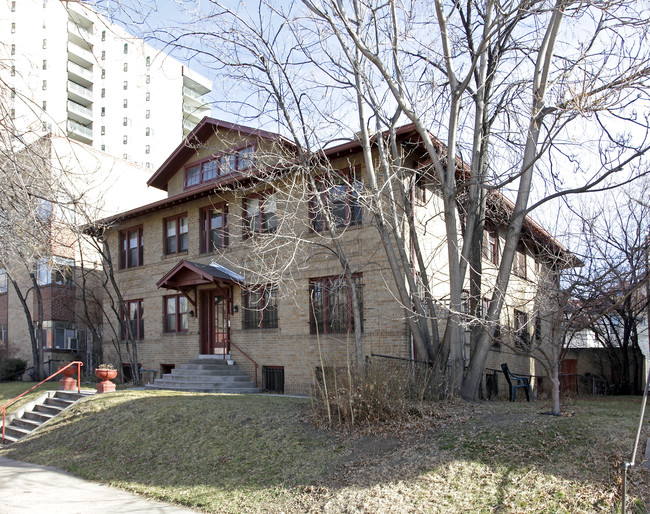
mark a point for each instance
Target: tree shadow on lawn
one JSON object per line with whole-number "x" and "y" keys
{"x": 232, "y": 453}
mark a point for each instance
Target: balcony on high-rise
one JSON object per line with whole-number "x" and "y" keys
{"x": 80, "y": 132}
{"x": 81, "y": 56}
{"x": 79, "y": 113}
{"x": 79, "y": 74}
{"x": 80, "y": 94}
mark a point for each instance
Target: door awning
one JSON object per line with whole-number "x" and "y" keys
{"x": 188, "y": 274}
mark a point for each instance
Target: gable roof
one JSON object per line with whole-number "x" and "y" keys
{"x": 206, "y": 128}
{"x": 189, "y": 273}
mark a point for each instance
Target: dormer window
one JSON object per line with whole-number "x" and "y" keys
{"x": 218, "y": 166}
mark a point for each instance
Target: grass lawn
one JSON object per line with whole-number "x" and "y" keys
{"x": 220, "y": 453}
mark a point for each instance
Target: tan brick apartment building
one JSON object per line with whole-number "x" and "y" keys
{"x": 233, "y": 262}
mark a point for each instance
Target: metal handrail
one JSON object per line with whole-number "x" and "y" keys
{"x": 4, "y": 407}
{"x": 248, "y": 357}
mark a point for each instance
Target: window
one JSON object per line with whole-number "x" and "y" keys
{"x": 103, "y": 130}
{"x": 125, "y": 156}
{"x": 13, "y": 71}
{"x": 103, "y": 148}
{"x": 103, "y": 92}
{"x": 260, "y": 305}
{"x": 45, "y": 109}
{"x": 103, "y": 55}
{"x": 147, "y": 79}
{"x": 131, "y": 248}
{"x": 331, "y": 304}
{"x": 260, "y": 215}
{"x": 44, "y": 44}
{"x": 126, "y": 66}
{"x": 125, "y": 103}
{"x": 147, "y": 114}
{"x": 3, "y": 281}
{"x": 148, "y": 60}
{"x": 126, "y": 85}
{"x": 522, "y": 338}
{"x": 214, "y": 233}
{"x": 176, "y": 313}
{"x": 132, "y": 317}
{"x": 147, "y": 149}
{"x": 45, "y": 64}
{"x": 126, "y": 48}
{"x": 491, "y": 245}
{"x": 12, "y": 114}
{"x": 3, "y": 336}
{"x": 176, "y": 234}
{"x": 147, "y": 96}
{"x": 207, "y": 170}
{"x": 44, "y": 85}
{"x": 125, "y": 140}
{"x": 147, "y": 132}
{"x": 13, "y": 28}
{"x": 13, "y": 6}
{"x": 519, "y": 264}
{"x": 273, "y": 379}
{"x": 59, "y": 335}
{"x": 103, "y": 73}
{"x": 341, "y": 199}
{"x": 58, "y": 270}
{"x": 103, "y": 35}
{"x": 125, "y": 121}
{"x": 13, "y": 49}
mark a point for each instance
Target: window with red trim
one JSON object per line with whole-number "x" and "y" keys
{"x": 132, "y": 316}
{"x": 219, "y": 166}
{"x": 260, "y": 306}
{"x": 260, "y": 214}
{"x": 214, "y": 228}
{"x": 176, "y": 313}
{"x": 131, "y": 248}
{"x": 341, "y": 199}
{"x": 330, "y": 302}
{"x": 491, "y": 245}
{"x": 176, "y": 234}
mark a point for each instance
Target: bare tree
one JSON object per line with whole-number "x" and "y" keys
{"x": 506, "y": 85}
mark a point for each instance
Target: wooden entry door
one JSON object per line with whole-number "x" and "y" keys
{"x": 569, "y": 376}
{"x": 215, "y": 321}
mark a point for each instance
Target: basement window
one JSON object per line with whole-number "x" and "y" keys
{"x": 273, "y": 379}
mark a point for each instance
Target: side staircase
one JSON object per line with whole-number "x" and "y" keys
{"x": 208, "y": 375}
{"x": 32, "y": 416}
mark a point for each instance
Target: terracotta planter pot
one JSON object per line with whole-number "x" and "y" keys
{"x": 69, "y": 371}
{"x": 105, "y": 375}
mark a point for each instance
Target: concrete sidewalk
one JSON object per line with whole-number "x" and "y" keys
{"x": 32, "y": 488}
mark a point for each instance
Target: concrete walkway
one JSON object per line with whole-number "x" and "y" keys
{"x": 31, "y": 488}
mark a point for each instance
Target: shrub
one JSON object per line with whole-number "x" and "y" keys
{"x": 380, "y": 392}
{"x": 12, "y": 368}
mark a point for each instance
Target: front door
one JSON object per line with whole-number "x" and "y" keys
{"x": 215, "y": 321}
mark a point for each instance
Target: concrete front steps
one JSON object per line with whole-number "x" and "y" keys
{"x": 36, "y": 413}
{"x": 207, "y": 375}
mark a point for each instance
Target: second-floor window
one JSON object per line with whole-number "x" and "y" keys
{"x": 519, "y": 263}
{"x": 260, "y": 214}
{"x": 522, "y": 337}
{"x": 214, "y": 228}
{"x": 176, "y": 234}
{"x": 131, "y": 248}
{"x": 132, "y": 318}
{"x": 58, "y": 270}
{"x": 341, "y": 203}
{"x": 491, "y": 245}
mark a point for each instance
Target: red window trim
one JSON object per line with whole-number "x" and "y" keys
{"x": 177, "y": 218}
{"x": 201, "y": 162}
{"x": 124, "y": 261}
{"x": 261, "y": 196}
{"x": 124, "y": 317}
{"x": 177, "y": 314}
{"x": 204, "y": 231}
{"x": 261, "y": 311}
{"x": 349, "y": 176}
{"x": 327, "y": 318}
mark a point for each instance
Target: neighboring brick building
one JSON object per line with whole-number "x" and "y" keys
{"x": 237, "y": 260}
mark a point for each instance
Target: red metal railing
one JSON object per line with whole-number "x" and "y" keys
{"x": 248, "y": 357}
{"x": 10, "y": 402}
